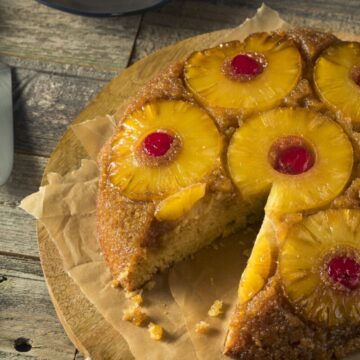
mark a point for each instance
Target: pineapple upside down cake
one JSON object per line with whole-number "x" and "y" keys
{"x": 260, "y": 129}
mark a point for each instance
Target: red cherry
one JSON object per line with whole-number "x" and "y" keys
{"x": 157, "y": 143}
{"x": 243, "y": 64}
{"x": 345, "y": 271}
{"x": 294, "y": 160}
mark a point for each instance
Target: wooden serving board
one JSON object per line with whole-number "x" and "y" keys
{"x": 86, "y": 327}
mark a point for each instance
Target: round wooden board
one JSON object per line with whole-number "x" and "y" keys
{"x": 86, "y": 327}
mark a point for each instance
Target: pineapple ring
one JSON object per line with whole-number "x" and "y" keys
{"x": 201, "y": 145}
{"x": 254, "y": 175}
{"x": 318, "y": 236}
{"x": 205, "y": 76}
{"x": 176, "y": 205}
{"x": 336, "y": 78}
{"x": 261, "y": 263}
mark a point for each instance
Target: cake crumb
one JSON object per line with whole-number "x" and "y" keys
{"x": 135, "y": 315}
{"x": 156, "y": 331}
{"x": 150, "y": 285}
{"x": 129, "y": 294}
{"x": 123, "y": 275}
{"x": 137, "y": 299}
{"x": 115, "y": 283}
{"x": 216, "y": 308}
{"x": 202, "y": 327}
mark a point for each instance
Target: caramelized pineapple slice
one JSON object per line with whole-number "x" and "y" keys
{"x": 261, "y": 263}
{"x": 337, "y": 79}
{"x": 162, "y": 148}
{"x": 302, "y": 158}
{"x": 251, "y": 76}
{"x": 319, "y": 266}
{"x": 178, "y": 204}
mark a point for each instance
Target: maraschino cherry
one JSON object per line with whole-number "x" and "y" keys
{"x": 345, "y": 270}
{"x": 244, "y": 64}
{"x": 157, "y": 143}
{"x": 294, "y": 160}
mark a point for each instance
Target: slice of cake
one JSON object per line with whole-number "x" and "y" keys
{"x": 298, "y": 295}
{"x": 302, "y": 160}
{"x": 308, "y": 306}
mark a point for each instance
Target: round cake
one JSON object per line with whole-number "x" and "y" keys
{"x": 263, "y": 129}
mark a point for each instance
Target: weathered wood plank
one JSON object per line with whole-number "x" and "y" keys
{"x": 33, "y": 31}
{"x": 178, "y": 20}
{"x": 181, "y": 19}
{"x": 27, "y": 312}
{"x": 25, "y": 179}
{"x": 78, "y": 356}
{"x": 10, "y": 356}
{"x": 327, "y": 15}
{"x": 17, "y": 232}
{"x": 57, "y": 69}
{"x": 17, "y": 229}
{"x": 44, "y": 106}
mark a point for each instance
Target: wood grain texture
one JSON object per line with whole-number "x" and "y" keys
{"x": 26, "y": 312}
{"x": 7, "y": 356}
{"x": 59, "y": 69}
{"x": 78, "y": 355}
{"x": 44, "y": 106}
{"x": 17, "y": 229}
{"x": 33, "y": 31}
{"x": 179, "y": 19}
{"x": 11, "y": 356}
{"x": 18, "y": 234}
{"x": 24, "y": 179}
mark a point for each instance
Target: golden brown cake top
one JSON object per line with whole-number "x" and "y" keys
{"x": 271, "y": 119}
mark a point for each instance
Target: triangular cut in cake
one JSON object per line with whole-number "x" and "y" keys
{"x": 203, "y": 150}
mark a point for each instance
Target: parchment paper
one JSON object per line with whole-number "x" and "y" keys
{"x": 213, "y": 274}
{"x": 66, "y": 207}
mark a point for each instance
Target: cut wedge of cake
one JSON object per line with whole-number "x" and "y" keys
{"x": 308, "y": 307}
{"x": 264, "y": 325}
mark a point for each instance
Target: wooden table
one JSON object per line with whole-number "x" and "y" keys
{"x": 59, "y": 62}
